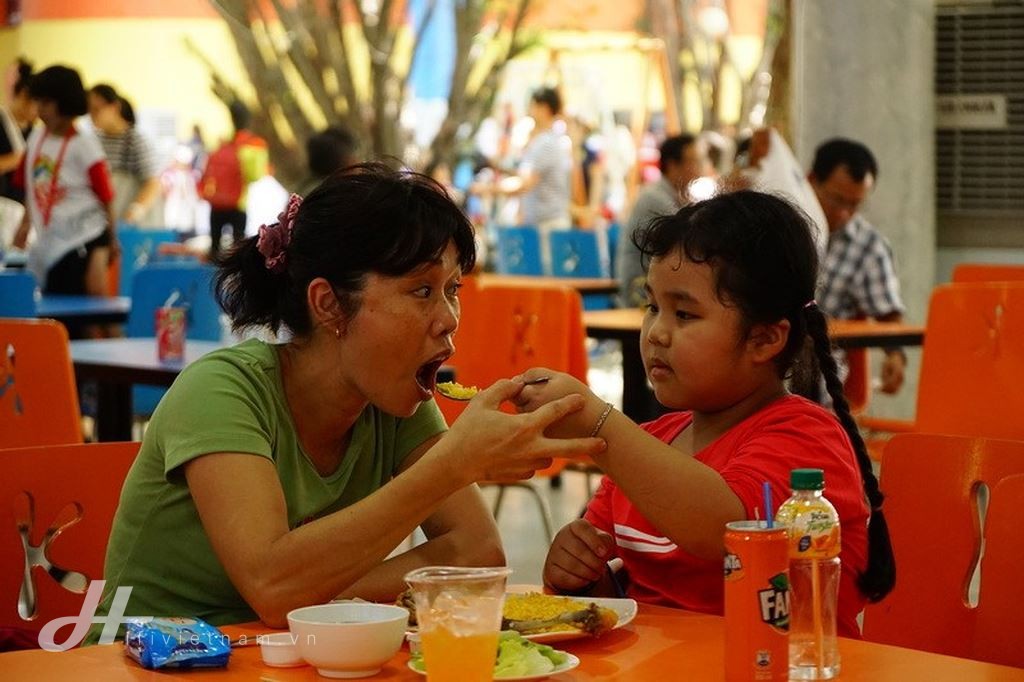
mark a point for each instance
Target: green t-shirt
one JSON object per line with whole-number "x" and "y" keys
{"x": 232, "y": 400}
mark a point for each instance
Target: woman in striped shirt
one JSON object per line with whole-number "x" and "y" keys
{"x": 136, "y": 179}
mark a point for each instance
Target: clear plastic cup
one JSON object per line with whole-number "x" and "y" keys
{"x": 459, "y": 615}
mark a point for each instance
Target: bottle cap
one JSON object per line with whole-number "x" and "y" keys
{"x": 807, "y": 479}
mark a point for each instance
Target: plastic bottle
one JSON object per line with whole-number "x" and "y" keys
{"x": 814, "y": 568}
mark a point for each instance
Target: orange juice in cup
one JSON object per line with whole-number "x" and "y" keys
{"x": 452, "y": 657}
{"x": 459, "y": 615}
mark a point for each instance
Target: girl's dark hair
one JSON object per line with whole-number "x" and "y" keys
{"x": 766, "y": 264}
{"x": 24, "y": 75}
{"x": 108, "y": 94}
{"x": 365, "y": 219}
{"x": 63, "y": 85}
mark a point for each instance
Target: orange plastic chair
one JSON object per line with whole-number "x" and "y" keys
{"x": 508, "y": 329}
{"x": 57, "y": 504}
{"x": 987, "y": 272}
{"x": 38, "y": 397}
{"x": 1001, "y": 610}
{"x": 932, "y": 484}
{"x": 971, "y": 364}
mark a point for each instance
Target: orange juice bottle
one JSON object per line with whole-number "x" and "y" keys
{"x": 814, "y": 568}
{"x": 756, "y": 602}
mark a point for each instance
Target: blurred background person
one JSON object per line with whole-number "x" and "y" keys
{"x": 68, "y": 191}
{"x": 129, "y": 157}
{"x": 16, "y": 123}
{"x": 682, "y": 160}
{"x": 229, "y": 171}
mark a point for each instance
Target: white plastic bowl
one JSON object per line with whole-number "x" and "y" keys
{"x": 348, "y": 639}
{"x": 279, "y": 650}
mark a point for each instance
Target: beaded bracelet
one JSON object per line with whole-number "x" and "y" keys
{"x": 601, "y": 420}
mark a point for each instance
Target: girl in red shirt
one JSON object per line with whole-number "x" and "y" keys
{"x": 730, "y": 309}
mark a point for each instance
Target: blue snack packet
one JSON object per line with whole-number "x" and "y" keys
{"x": 176, "y": 643}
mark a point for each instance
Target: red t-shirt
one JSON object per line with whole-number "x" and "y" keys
{"x": 791, "y": 433}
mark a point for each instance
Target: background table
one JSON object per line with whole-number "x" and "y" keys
{"x": 584, "y": 285}
{"x": 84, "y": 309}
{"x": 116, "y": 364}
{"x": 662, "y": 644}
{"x": 638, "y": 401}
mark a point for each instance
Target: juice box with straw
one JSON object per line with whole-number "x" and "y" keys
{"x": 756, "y": 602}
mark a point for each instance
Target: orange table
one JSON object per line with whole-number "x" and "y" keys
{"x": 624, "y": 325}
{"x": 661, "y": 644}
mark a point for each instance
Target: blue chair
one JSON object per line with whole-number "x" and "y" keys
{"x": 17, "y": 294}
{"x": 153, "y": 286}
{"x": 577, "y": 253}
{"x": 519, "y": 251}
{"x": 138, "y": 248}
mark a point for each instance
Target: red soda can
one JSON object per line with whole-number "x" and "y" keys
{"x": 170, "y": 334}
{"x": 756, "y": 602}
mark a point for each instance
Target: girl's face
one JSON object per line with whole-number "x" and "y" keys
{"x": 693, "y": 345}
{"x": 402, "y": 334}
{"x": 48, "y": 113}
{"x": 104, "y": 114}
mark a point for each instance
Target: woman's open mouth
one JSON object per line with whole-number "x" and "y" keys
{"x": 426, "y": 376}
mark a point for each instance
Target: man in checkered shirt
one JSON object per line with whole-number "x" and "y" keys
{"x": 858, "y": 275}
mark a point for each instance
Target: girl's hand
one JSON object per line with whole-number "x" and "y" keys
{"x": 533, "y": 397}
{"x": 578, "y": 557}
{"x": 491, "y": 445}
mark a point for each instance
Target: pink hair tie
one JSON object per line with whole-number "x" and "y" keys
{"x": 273, "y": 239}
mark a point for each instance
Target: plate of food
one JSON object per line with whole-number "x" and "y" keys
{"x": 518, "y": 659}
{"x": 552, "y": 618}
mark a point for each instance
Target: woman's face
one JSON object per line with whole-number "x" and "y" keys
{"x": 105, "y": 115}
{"x": 692, "y": 343}
{"x": 24, "y": 109}
{"x": 402, "y": 333}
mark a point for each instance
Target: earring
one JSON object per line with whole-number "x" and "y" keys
{"x": 337, "y": 332}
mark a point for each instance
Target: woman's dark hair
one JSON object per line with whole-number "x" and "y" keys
{"x": 24, "y": 75}
{"x": 765, "y": 263}
{"x": 108, "y": 94}
{"x": 366, "y": 219}
{"x": 62, "y": 85}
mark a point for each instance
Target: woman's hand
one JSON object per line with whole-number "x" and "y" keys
{"x": 491, "y": 445}
{"x": 578, "y": 557}
{"x": 534, "y": 396}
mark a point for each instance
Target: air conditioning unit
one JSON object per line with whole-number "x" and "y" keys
{"x": 979, "y": 88}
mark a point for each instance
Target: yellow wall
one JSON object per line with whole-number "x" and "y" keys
{"x": 146, "y": 59}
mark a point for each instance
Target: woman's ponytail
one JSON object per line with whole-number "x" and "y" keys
{"x": 249, "y": 292}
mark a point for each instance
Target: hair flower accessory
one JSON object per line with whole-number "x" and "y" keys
{"x": 273, "y": 239}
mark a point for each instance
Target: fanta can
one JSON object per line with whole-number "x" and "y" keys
{"x": 170, "y": 334}
{"x": 756, "y": 602}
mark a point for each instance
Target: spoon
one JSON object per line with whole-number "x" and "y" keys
{"x": 453, "y": 390}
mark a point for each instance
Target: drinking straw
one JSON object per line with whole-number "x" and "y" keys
{"x": 767, "y": 489}
{"x": 819, "y": 635}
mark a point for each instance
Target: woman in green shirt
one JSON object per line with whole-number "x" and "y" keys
{"x": 277, "y": 476}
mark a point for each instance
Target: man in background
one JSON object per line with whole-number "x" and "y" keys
{"x": 683, "y": 159}
{"x": 858, "y": 275}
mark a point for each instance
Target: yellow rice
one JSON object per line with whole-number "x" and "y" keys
{"x": 454, "y": 389}
{"x": 535, "y": 606}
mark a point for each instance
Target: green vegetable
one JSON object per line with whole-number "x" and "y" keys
{"x": 517, "y": 657}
